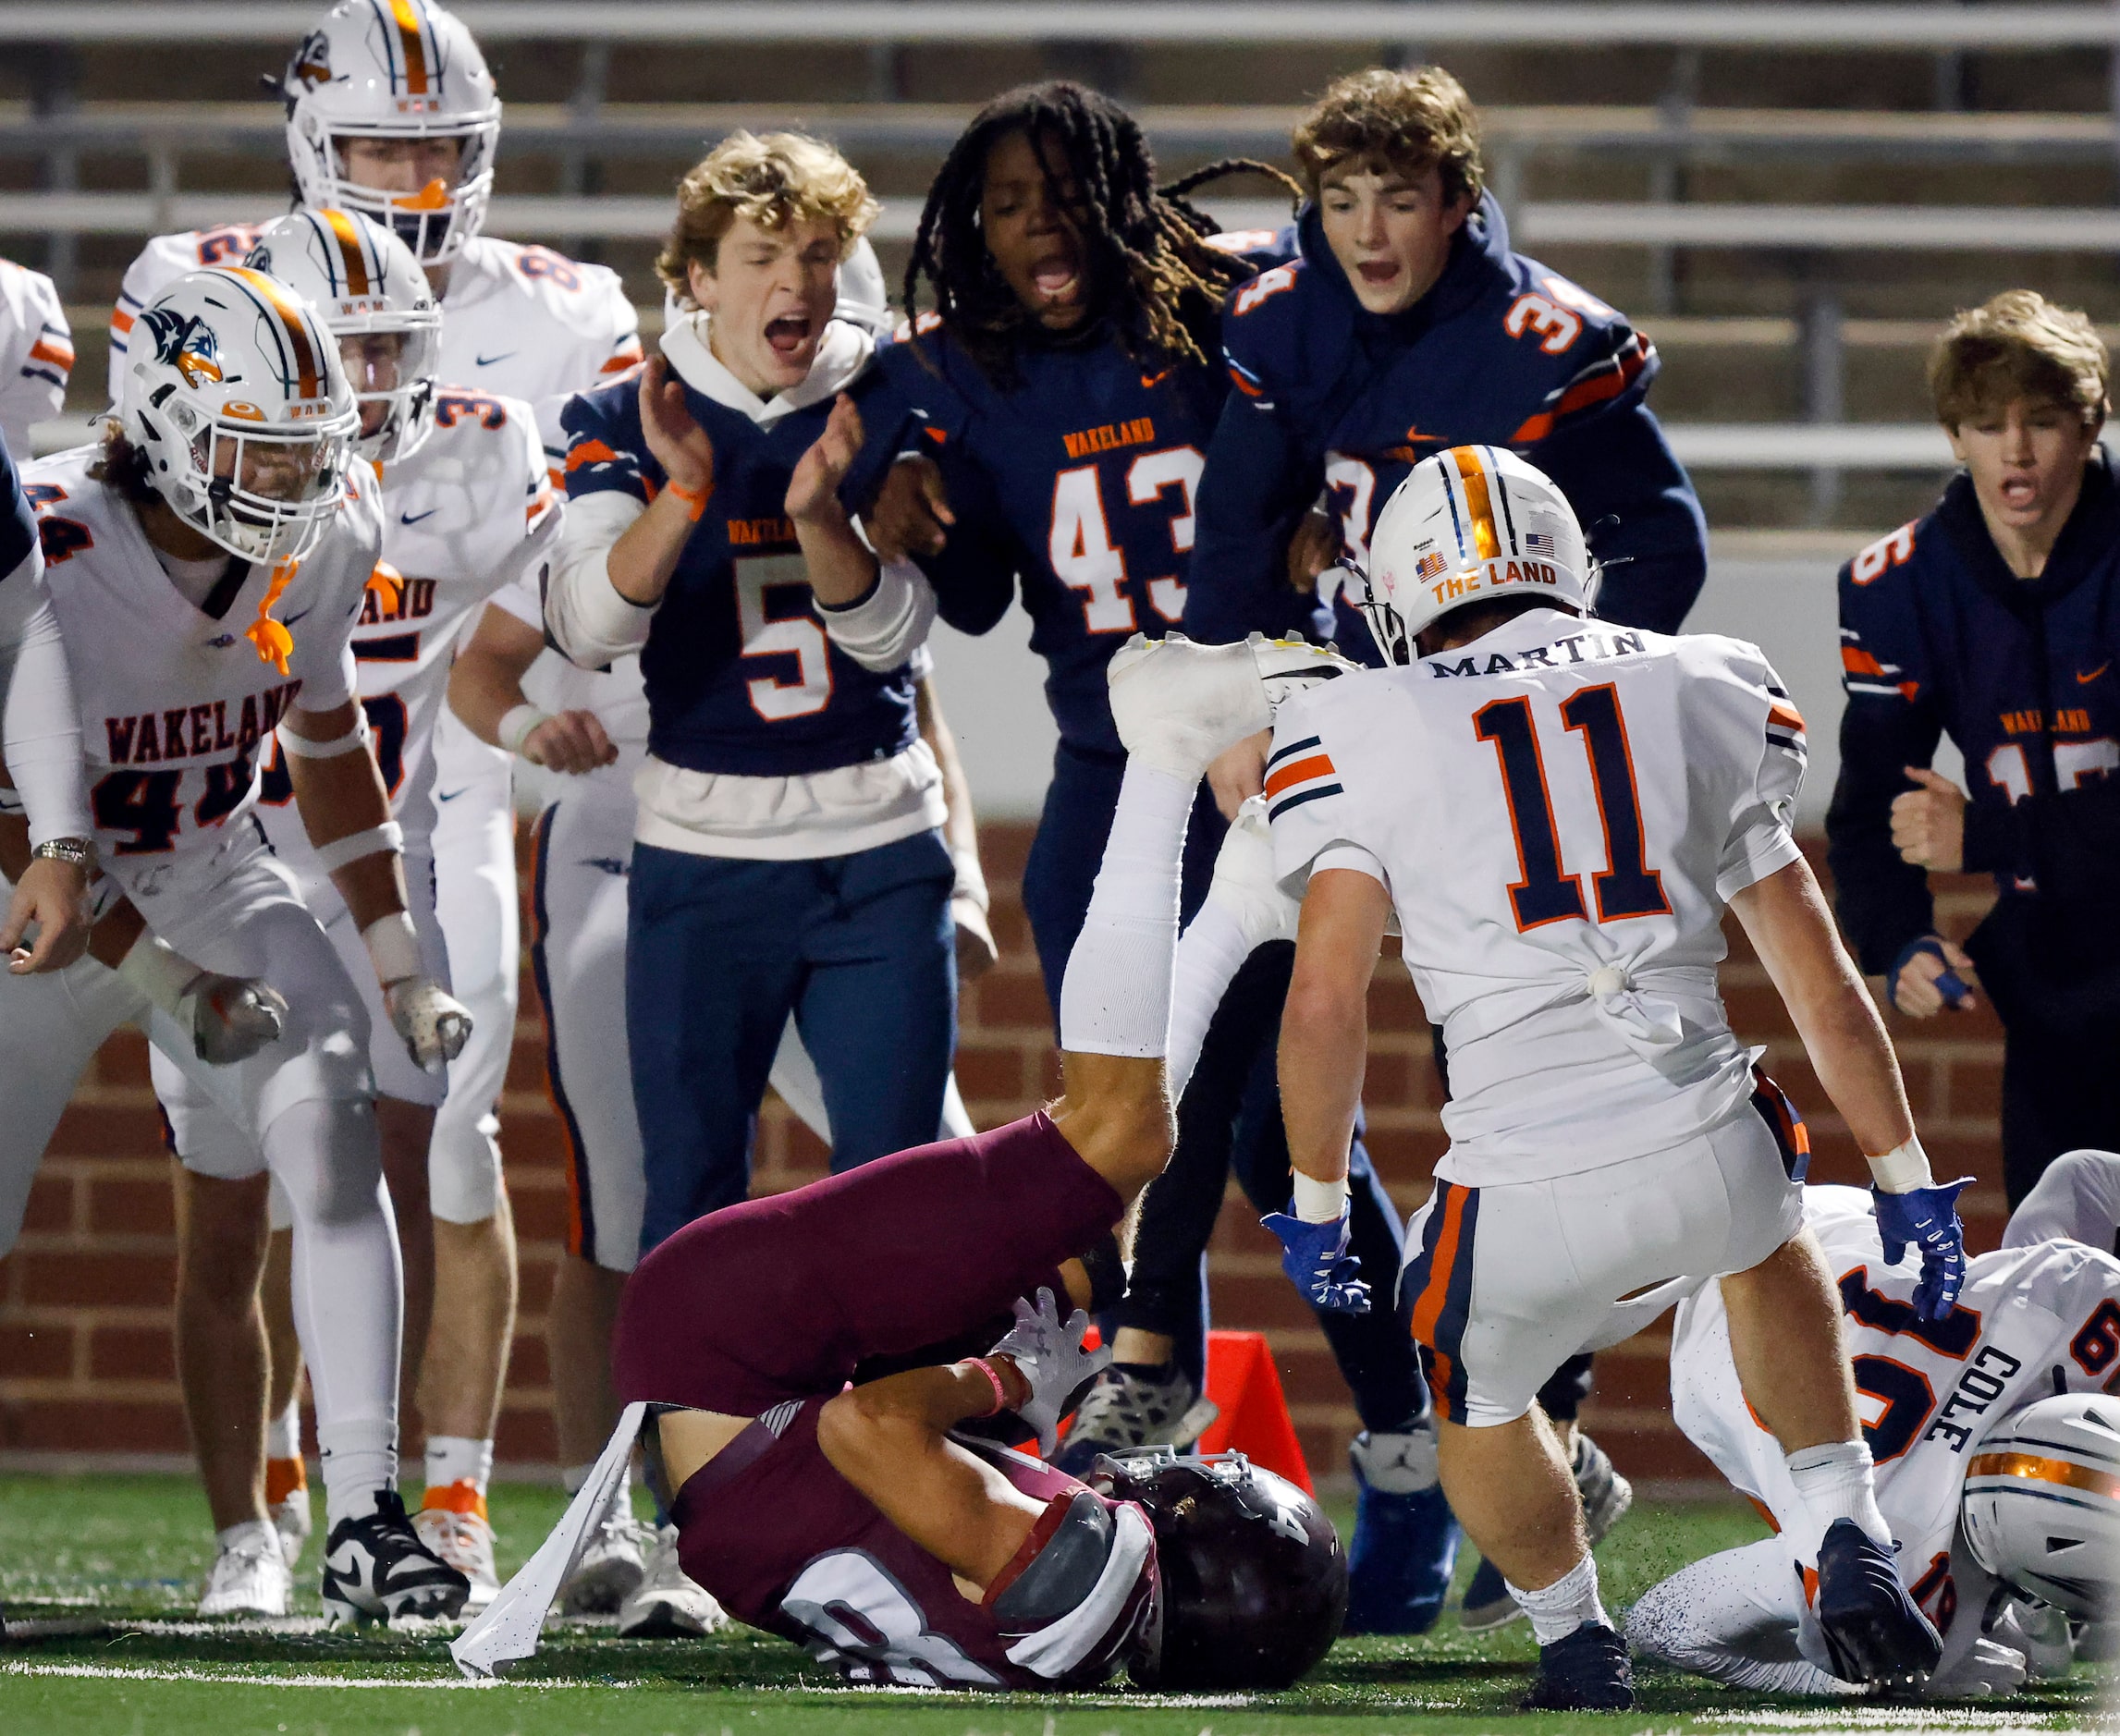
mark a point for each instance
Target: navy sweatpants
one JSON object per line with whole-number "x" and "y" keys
{"x": 719, "y": 951}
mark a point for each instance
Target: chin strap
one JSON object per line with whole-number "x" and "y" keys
{"x": 274, "y": 642}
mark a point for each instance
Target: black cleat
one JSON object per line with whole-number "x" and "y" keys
{"x": 1585, "y": 1672}
{"x": 377, "y": 1568}
{"x": 1875, "y": 1632}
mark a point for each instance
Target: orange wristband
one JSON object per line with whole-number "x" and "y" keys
{"x": 695, "y": 499}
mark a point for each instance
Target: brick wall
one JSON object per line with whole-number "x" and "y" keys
{"x": 85, "y": 1357}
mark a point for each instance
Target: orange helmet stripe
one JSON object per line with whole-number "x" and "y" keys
{"x": 352, "y": 255}
{"x": 2043, "y": 1470}
{"x": 408, "y": 22}
{"x": 308, "y": 372}
{"x": 1478, "y": 502}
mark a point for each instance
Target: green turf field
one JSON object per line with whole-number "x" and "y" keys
{"x": 99, "y": 1577}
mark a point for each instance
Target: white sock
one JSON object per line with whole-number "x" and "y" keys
{"x": 1835, "y": 1482}
{"x": 360, "y": 1456}
{"x": 283, "y": 1433}
{"x": 257, "y": 1531}
{"x": 1210, "y": 952}
{"x": 1565, "y": 1604}
{"x": 1116, "y": 996}
{"x": 459, "y": 1459}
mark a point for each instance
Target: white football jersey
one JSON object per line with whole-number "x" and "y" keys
{"x": 1561, "y": 812}
{"x": 2031, "y": 1322}
{"x": 174, "y": 702}
{"x": 471, "y": 511}
{"x": 523, "y": 322}
{"x": 36, "y": 354}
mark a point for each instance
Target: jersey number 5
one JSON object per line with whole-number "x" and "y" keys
{"x": 1547, "y": 892}
{"x": 798, "y": 636}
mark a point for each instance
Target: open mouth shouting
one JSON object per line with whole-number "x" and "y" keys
{"x": 791, "y": 338}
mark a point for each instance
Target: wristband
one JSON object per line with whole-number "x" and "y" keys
{"x": 377, "y": 840}
{"x": 1319, "y": 1202}
{"x": 303, "y": 747}
{"x": 1903, "y": 1168}
{"x": 158, "y": 972}
{"x": 695, "y": 499}
{"x": 1000, "y": 1392}
{"x": 392, "y": 947}
{"x": 519, "y": 726}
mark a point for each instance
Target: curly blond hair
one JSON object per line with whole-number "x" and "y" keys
{"x": 2019, "y": 345}
{"x": 772, "y": 181}
{"x": 1388, "y": 121}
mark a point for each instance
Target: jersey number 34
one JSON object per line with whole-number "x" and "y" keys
{"x": 1547, "y": 892}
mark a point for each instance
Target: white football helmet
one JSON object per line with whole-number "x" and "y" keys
{"x": 1468, "y": 525}
{"x": 234, "y": 391}
{"x": 365, "y": 283}
{"x": 2041, "y": 1505}
{"x": 393, "y": 69}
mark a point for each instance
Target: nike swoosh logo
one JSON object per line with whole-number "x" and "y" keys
{"x": 2084, "y": 681}
{"x": 1149, "y": 382}
{"x": 450, "y": 795}
{"x": 487, "y": 361}
{"x": 289, "y": 620}
{"x": 414, "y": 518}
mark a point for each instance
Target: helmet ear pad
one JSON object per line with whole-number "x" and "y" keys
{"x": 1254, "y": 1579}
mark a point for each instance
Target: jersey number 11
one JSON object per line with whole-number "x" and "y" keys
{"x": 1548, "y": 893}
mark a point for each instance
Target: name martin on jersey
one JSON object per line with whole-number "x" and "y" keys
{"x": 185, "y": 731}
{"x": 1541, "y": 656}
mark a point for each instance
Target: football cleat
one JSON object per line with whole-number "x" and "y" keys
{"x": 1587, "y": 1671}
{"x": 287, "y": 1501}
{"x": 1487, "y": 1603}
{"x": 1124, "y": 1409}
{"x": 458, "y": 1534}
{"x": 250, "y": 1576}
{"x": 666, "y": 1605}
{"x": 1875, "y": 1633}
{"x": 376, "y": 1568}
{"x": 1606, "y": 1493}
{"x": 1405, "y": 1536}
{"x": 611, "y": 1567}
{"x": 1177, "y": 705}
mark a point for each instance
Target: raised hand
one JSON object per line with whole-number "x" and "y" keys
{"x": 813, "y": 490}
{"x": 1928, "y": 822}
{"x": 1047, "y": 1352}
{"x": 680, "y": 446}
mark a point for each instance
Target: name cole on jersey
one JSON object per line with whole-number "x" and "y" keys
{"x": 469, "y": 512}
{"x": 741, "y": 675}
{"x": 175, "y": 702}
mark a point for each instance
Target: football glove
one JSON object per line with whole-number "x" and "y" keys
{"x": 1047, "y": 1352}
{"x": 1314, "y": 1256}
{"x": 1928, "y": 1218}
{"x": 433, "y": 1023}
{"x": 1950, "y": 984}
{"x": 230, "y": 1018}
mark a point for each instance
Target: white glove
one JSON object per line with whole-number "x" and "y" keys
{"x": 1987, "y": 1672}
{"x": 229, "y": 1018}
{"x": 2040, "y": 1632}
{"x": 433, "y": 1024}
{"x": 1049, "y": 1354}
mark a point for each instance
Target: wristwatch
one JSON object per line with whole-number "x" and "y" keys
{"x": 77, "y": 851}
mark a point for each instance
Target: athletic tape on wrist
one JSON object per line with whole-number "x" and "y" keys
{"x": 520, "y": 723}
{"x": 159, "y": 973}
{"x": 302, "y": 748}
{"x": 1903, "y": 1168}
{"x": 392, "y": 947}
{"x": 1319, "y": 1202}
{"x": 378, "y": 840}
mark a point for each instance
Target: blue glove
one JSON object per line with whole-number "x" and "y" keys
{"x": 1314, "y": 1256}
{"x": 1929, "y": 1218}
{"x": 1951, "y": 986}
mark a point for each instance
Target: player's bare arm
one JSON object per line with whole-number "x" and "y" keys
{"x": 976, "y": 951}
{"x": 841, "y": 569}
{"x": 643, "y": 560}
{"x": 1325, "y": 1027}
{"x": 485, "y": 693}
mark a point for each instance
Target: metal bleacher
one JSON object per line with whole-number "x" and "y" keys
{"x": 1658, "y": 187}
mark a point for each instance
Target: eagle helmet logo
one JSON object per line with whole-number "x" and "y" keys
{"x": 186, "y": 343}
{"x": 311, "y": 64}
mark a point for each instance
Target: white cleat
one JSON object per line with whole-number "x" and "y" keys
{"x": 291, "y": 1518}
{"x": 464, "y": 1541}
{"x": 1177, "y": 705}
{"x": 666, "y": 1605}
{"x": 250, "y": 1576}
{"x": 610, "y": 1570}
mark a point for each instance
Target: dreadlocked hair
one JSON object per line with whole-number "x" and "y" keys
{"x": 1147, "y": 248}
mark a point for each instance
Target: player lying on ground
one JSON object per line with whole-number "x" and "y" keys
{"x": 1998, "y": 1477}
{"x": 854, "y": 1520}
{"x": 1612, "y": 1144}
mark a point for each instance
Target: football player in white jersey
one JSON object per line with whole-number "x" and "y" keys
{"x": 1557, "y": 813}
{"x": 467, "y": 507}
{"x": 206, "y": 564}
{"x": 36, "y": 354}
{"x": 2036, "y": 1320}
{"x": 393, "y": 112}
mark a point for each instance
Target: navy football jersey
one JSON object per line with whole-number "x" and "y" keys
{"x": 1078, "y": 479}
{"x": 740, "y": 675}
{"x": 1938, "y": 636}
{"x": 1503, "y": 351}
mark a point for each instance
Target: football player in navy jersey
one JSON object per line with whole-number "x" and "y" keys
{"x": 1055, "y": 410}
{"x": 788, "y": 856}
{"x": 1993, "y": 620}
